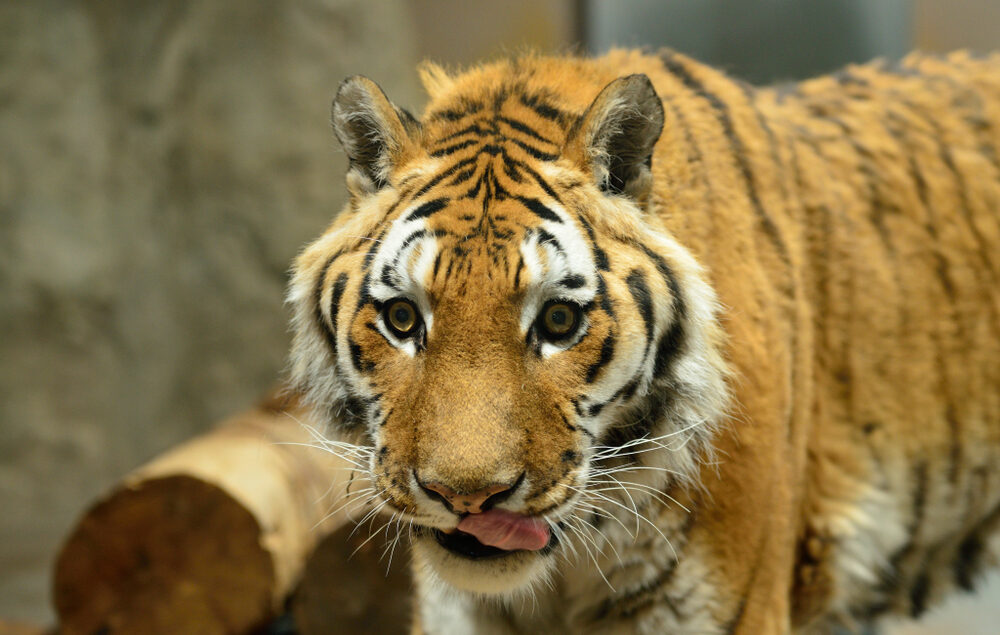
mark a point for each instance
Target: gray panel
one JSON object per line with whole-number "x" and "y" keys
{"x": 758, "y": 40}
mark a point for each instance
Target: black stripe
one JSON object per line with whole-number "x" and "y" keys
{"x": 388, "y": 278}
{"x": 443, "y": 175}
{"x": 473, "y": 128}
{"x": 671, "y": 342}
{"x": 734, "y": 621}
{"x": 669, "y": 278}
{"x": 545, "y": 237}
{"x": 972, "y": 553}
{"x": 517, "y": 272}
{"x": 372, "y": 248}
{"x": 670, "y": 345}
{"x": 357, "y": 360}
{"x": 919, "y": 594}
{"x": 628, "y": 390}
{"x": 454, "y": 148}
{"x": 918, "y": 509}
{"x": 321, "y": 324}
{"x": 427, "y": 209}
{"x": 739, "y": 151}
{"x": 569, "y": 426}
{"x": 540, "y": 210}
{"x": 473, "y": 191}
{"x": 364, "y": 293}
{"x": 573, "y": 281}
{"x": 543, "y": 109}
{"x": 607, "y": 353}
{"x": 945, "y": 154}
{"x": 535, "y": 152}
{"x": 631, "y": 602}
{"x": 600, "y": 256}
{"x": 523, "y": 128}
{"x": 967, "y": 565}
{"x": 454, "y": 114}
{"x": 772, "y": 139}
{"x": 463, "y": 176}
{"x": 637, "y": 286}
{"x": 602, "y": 291}
{"x": 595, "y": 409}
{"x": 897, "y": 132}
{"x": 404, "y": 192}
{"x": 524, "y": 167}
{"x": 420, "y": 233}
{"x": 338, "y": 293}
{"x": 511, "y": 170}
{"x": 352, "y": 410}
{"x": 437, "y": 264}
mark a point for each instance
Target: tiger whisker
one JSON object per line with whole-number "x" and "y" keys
{"x": 586, "y": 541}
{"x": 635, "y": 509}
{"x": 331, "y": 514}
{"x": 369, "y": 516}
{"x": 638, "y": 515}
{"x": 604, "y": 513}
{"x": 371, "y": 534}
{"x": 608, "y": 451}
{"x": 650, "y": 490}
{"x": 586, "y": 537}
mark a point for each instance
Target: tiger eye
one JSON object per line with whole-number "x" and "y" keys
{"x": 559, "y": 319}
{"x": 401, "y": 316}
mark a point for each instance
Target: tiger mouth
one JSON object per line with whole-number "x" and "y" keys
{"x": 468, "y": 546}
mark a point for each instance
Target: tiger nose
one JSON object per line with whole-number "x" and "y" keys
{"x": 470, "y": 502}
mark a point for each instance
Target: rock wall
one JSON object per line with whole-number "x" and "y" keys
{"x": 160, "y": 165}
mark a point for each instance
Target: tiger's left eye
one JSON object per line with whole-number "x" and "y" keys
{"x": 558, "y": 320}
{"x": 402, "y": 317}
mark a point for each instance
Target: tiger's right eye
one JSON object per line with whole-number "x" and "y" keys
{"x": 402, "y": 317}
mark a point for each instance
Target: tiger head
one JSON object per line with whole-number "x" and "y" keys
{"x": 496, "y": 315}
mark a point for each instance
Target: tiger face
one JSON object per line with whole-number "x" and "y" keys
{"x": 493, "y": 317}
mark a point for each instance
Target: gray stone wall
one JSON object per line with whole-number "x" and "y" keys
{"x": 160, "y": 165}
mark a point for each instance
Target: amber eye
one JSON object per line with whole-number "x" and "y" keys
{"x": 558, "y": 320}
{"x": 401, "y": 317}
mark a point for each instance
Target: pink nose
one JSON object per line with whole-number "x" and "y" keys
{"x": 469, "y": 502}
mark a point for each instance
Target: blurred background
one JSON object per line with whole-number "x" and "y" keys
{"x": 162, "y": 162}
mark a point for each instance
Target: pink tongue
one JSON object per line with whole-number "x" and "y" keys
{"x": 506, "y": 530}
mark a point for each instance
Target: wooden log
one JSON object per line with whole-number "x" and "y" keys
{"x": 22, "y": 628}
{"x": 351, "y": 585}
{"x": 209, "y": 538}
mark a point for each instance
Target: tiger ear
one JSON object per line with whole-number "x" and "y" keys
{"x": 614, "y": 138}
{"x": 376, "y": 135}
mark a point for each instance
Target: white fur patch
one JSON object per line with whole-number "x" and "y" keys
{"x": 547, "y": 266}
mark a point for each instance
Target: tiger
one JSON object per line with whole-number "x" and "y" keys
{"x": 626, "y": 345}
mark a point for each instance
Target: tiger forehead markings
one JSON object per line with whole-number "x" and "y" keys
{"x": 634, "y": 347}
{"x": 533, "y": 240}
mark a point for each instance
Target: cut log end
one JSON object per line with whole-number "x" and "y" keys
{"x": 165, "y": 551}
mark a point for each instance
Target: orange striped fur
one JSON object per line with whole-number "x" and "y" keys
{"x": 778, "y": 409}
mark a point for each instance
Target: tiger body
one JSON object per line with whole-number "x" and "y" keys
{"x": 780, "y": 408}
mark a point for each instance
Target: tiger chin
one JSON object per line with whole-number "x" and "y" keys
{"x": 645, "y": 349}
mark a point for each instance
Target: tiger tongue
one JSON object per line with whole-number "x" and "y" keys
{"x": 506, "y": 530}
